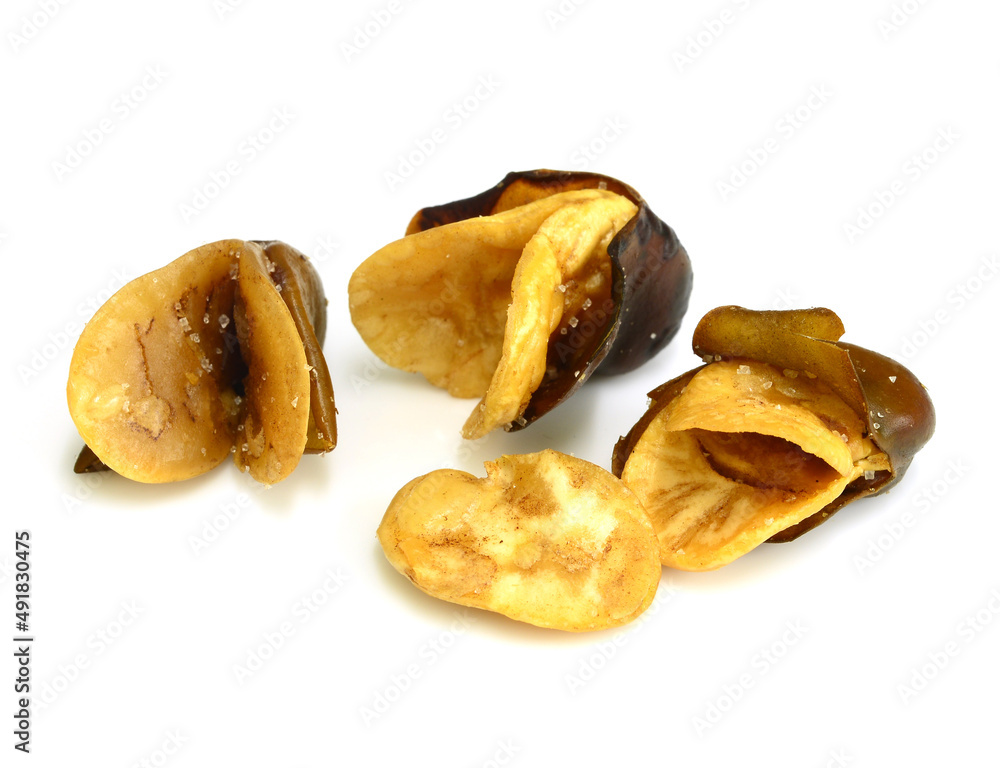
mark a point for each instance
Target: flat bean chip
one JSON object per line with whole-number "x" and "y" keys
{"x": 544, "y": 538}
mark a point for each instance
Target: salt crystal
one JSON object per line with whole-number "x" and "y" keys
{"x": 204, "y": 452}
{"x": 218, "y": 350}
{"x": 769, "y": 521}
{"x": 587, "y": 303}
{"x": 576, "y": 374}
{"x": 563, "y": 330}
{"x": 707, "y": 358}
{"x": 768, "y": 384}
{"x": 195, "y": 338}
{"x": 717, "y": 358}
{"x": 778, "y": 407}
{"x": 295, "y": 402}
{"x": 790, "y": 373}
{"x": 177, "y": 306}
{"x": 743, "y": 370}
{"x": 844, "y": 438}
{"x": 680, "y": 551}
{"x": 652, "y": 335}
{"x": 562, "y": 288}
{"x": 223, "y": 321}
{"x": 649, "y": 401}
{"x": 602, "y": 185}
{"x": 460, "y": 342}
{"x": 876, "y": 425}
{"x": 892, "y": 379}
{"x": 124, "y": 385}
{"x": 573, "y": 322}
{"x": 869, "y": 474}
{"x": 205, "y": 319}
{"x": 521, "y": 421}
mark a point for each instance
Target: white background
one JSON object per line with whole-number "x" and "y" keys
{"x": 671, "y": 99}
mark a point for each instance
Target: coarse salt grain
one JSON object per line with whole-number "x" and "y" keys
{"x": 743, "y": 370}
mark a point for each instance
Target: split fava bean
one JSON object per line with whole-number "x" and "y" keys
{"x": 218, "y": 352}
{"x": 783, "y": 426}
{"x": 519, "y": 294}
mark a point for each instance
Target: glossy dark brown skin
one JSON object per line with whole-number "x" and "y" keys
{"x": 303, "y": 294}
{"x": 880, "y": 390}
{"x": 651, "y": 282}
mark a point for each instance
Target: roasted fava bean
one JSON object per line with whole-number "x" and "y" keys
{"x": 519, "y": 294}
{"x": 544, "y": 538}
{"x": 783, "y": 426}
{"x": 218, "y": 352}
